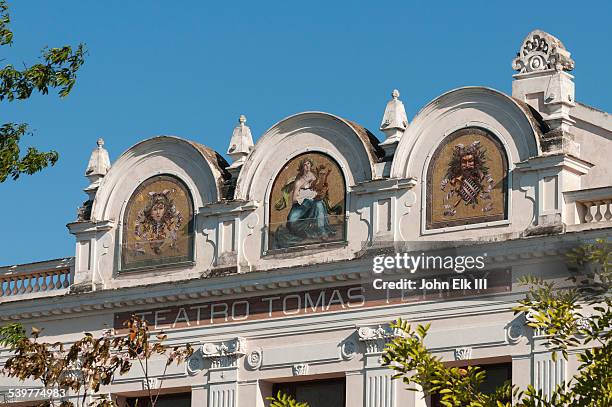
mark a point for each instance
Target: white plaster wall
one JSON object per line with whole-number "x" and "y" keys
{"x": 156, "y": 156}
{"x": 465, "y": 107}
{"x": 305, "y": 132}
{"x": 595, "y": 140}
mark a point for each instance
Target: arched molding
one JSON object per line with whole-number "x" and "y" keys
{"x": 355, "y": 150}
{"x": 199, "y": 167}
{"x": 426, "y": 167}
{"x": 510, "y": 120}
{"x": 345, "y": 171}
{"x": 188, "y": 219}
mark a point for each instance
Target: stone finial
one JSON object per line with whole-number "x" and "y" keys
{"x": 394, "y": 117}
{"x": 241, "y": 143}
{"x": 541, "y": 51}
{"x": 98, "y": 166}
{"x": 99, "y": 162}
{"x": 394, "y": 123}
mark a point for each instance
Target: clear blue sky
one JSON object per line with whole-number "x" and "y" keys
{"x": 190, "y": 68}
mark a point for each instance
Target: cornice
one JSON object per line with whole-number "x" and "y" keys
{"x": 90, "y": 226}
{"x": 565, "y": 161}
{"x": 228, "y": 207}
{"x": 384, "y": 185}
{"x": 210, "y": 288}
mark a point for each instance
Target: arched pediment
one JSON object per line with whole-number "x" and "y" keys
{"x": 510, "y": 120}
{"x": 353, "y": 147}
{"x": 199, "y": 167}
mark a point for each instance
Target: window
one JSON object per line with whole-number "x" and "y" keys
{"x": 168, "y": 400}
{"x": 497, "y": 375}
{"x": 158, "y": 224}
{"x": 317, "y": 393}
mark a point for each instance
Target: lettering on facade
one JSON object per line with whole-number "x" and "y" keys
{"x": 305, "y": 303}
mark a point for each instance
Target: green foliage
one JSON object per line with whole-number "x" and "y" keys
{"x": 11, "y": 334}
{"x": 578, "y": 316}
{"x": 11, "y": 165}
{"x": 412, "y": 362}
{"x": 559, "y": 313}
{"x": 284, "y": 400}
{"x": 6, "y": 35}
{"x": 57, "y": 69}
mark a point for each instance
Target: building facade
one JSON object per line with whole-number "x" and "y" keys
{"x": 270, "y": 264}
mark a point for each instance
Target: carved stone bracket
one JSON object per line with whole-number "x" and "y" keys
{"x": 151, "y": 383}
{"x": 254, "y": 359}
{"x": 463, "y": 353}
{"x": 516, "y": 330}
{"x": 195, "y": 363}
{"x": 375, "y": 338}
{"x": 583, "y": 323}
{"x": 348, "y": 349}
{"x": 301, "y": 369}
{"x": 584, "y": 326}
{"x": 224, "y": 354}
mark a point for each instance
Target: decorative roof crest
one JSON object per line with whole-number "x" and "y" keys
{"x": 541, "y": 51}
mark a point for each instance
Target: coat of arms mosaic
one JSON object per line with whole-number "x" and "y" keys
{"x": 467, "y": 180}
{"x": 157, "y": 224}
{"x": 307, "y": 203}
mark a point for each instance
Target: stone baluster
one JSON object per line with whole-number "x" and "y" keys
{"x": 4, "y": 288}
{"x": 30, "y": 279}
{"x": 608, "y": 214}
{"x": 14, "y": 281}
{"x": 22, "y": 284}
{"x": 58, "y": 277}
{"x": 588, "y": 217}
{"x": 36, "y": 282}
{"x": 66, "y": 282}
{"x": 598, "y": 216}
{"x": 43, "y": 287}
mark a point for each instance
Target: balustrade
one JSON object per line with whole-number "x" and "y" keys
{"x": 595, "y": 211}
{"x": 34, "y": 282}
{"x": 589, "y": 206}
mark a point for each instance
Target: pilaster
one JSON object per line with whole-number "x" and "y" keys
{"x": 555, "y": 174}
{"x": 380, "y": 390}
{"x": 223, "y": 372}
